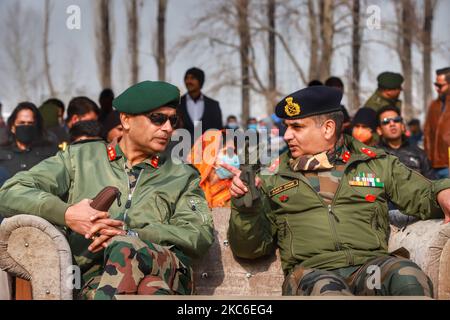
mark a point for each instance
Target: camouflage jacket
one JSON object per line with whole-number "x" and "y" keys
{"x": 351, "y": 230}
{"x": 376, "y": 102}
{"x": 167, "y": 207}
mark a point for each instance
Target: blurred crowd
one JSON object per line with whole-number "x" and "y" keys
{"x": 31, "y": 133}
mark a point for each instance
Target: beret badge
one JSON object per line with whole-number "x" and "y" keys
{"x": 291, "y": 108}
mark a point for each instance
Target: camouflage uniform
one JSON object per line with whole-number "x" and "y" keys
{"x": 397, "y": 277}
{"x": 133, "y": 266}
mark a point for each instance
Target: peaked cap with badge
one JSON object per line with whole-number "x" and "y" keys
{"x": 309, "y": 102}
{"x": 147, "y": 96}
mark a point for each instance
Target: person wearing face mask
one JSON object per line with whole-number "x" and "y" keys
{"x": 364, "y": 126}
{"x": 207, "y": 155}
{"x": 232, "y": 123}
{"x": 27, "y": 143}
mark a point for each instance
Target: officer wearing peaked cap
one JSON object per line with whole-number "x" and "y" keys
{"x": 325, "y": 206}
{"x": 144, "y": 243}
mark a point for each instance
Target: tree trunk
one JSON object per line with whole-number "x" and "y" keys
{"x": 104, "y": 45}
{"x": 161, "y": 56}
{"x": 356, "y": 48}
{"x": 406, "y": 30}
{"x": 244, "y": 50}
{"x": 314, "y": 45}
{"x": 45, "y": 47}
{"x": 427, "y": 33}
{"x": 272, "y": 71}
{"x": 133, "y": 39}
{"x": 326, "y": 33}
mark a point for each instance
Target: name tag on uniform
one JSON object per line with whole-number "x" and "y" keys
{"x": 366, "y": 180}
{"x": 283, "y": 187}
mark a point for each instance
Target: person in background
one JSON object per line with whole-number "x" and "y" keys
{"x": 315, "y": 82}
{"x": 391, "y": 130}
{"x": 252, "y": 124}
{"x": 232, "y": 123}
{"x": 337, "y": 83}
{"x": 3, "y": 128}
{"x": 208, "y": 153}
{"x": 196, "y": 108}
{"x": 79, "y": 109}
{"x": 388, "y": 91}
{"x": 364, "y": 126}
{"x": 416, "y": 137}
{"x": 27, "y": 142}
{"x": 105, "y": 100}
{"x": 112, "y": 127}
{"x": 85, "y": 131}
{"x": 52, "y": 112}
{"x": 436, "y": 133}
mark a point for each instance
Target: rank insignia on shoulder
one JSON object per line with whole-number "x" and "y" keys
{"x": 111, "y": 153}
{"x": 346, "y": 156}
{"x": 155, "y": 162}
{"x": 368, "y": 152}
{"x": 274, "y": 165}
{"x": 366, "y": 180}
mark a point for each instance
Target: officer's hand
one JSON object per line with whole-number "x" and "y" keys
{"x": 106, "y": 227}
{"x": 99, "y": 243}
{"x": 443, "y": 198}
{"x": 80, "y": 218}
{"x": 238, "y": 188}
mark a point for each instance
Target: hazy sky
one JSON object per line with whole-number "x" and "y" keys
{"x": 72, "y": 52}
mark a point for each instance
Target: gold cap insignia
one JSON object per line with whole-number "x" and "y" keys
{"x": 291, "y": 109}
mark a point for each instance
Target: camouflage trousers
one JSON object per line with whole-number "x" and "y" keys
{"x": 383, "y": 276}
{"x": 132, "y": 266}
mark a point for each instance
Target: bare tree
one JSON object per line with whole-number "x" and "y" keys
{"x": 405, "y": 14}
{"x": 133, "y": 38}
{"x": 244, "y": 50}
{"x": 426, "y": 38}
{"x": 45, "y": 45}
{"x": 327, "y": 34}
{"x": 272, "y": 70}
{"x": 161, "y": 33}
{"x": 104, "y": 42}
{"x": 314, "y": 71}
{"x": 356, "y": 48}
{"x": 20, "y": 63}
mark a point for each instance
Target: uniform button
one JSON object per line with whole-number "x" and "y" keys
{"x": 23, "y": 165}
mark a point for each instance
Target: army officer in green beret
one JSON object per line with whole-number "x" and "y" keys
{"x": 388, "y": 91}
{"x": 145, "y": 242}
{"x": 325, "y": 206}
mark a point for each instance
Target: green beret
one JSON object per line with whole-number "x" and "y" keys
{"x": 309, "y": 102}
{"x": 147, "y": 96}
{"x": 390, "y": 80}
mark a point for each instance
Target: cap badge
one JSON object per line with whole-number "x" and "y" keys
{"x": 291, "y": 108}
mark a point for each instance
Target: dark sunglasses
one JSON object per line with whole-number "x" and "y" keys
{"x": 159, "y": 119}
{"x": 386, "y": 121}
{"x": 439, "y": 85}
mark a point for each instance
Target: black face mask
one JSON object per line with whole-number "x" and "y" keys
{"x": 26, "y": 134}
